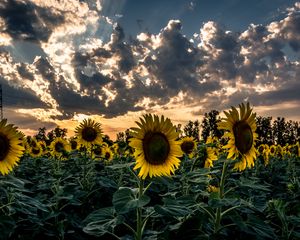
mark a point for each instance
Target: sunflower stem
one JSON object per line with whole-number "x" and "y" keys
{"x": 221, "y": 196}
{"x": 193, "y": 164}
{"x": 139, "y": 222}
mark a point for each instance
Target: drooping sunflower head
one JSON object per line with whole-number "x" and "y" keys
{"x": 188, "y": 145}
{"x": 11, "y": 148}
{"x": 89, "y": 132}
{"x": 59, "y": 148}
{"x": 157, "y": 151}
{"x": 240, "y": 127}
{"x": 210, "y": 154}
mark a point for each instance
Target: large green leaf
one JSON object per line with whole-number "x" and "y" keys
{"x": 102, "y": 221}
{"x": 125, "y": 200}
{"x": 172, "y": 208}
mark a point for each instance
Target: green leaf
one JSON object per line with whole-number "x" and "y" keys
{"x": 172, "y": 208}
{"x": 102, "y": 221}
{"x": 120, "y": 166}
{"x": 125, "y": 200}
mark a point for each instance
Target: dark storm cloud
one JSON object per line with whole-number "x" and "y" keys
{"x": 24, "y": 72}
{"x": 25, "y": 21}
{"x": 89, "y": 82}
{"x": 19, "y": 97}
{"x": 71, "y": 102}
{"x": 123, "y": 50}
{"x": 25, "y": 121}
{"x": 173, "y": 63}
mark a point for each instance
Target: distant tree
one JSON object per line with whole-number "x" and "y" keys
{"x": 209, "y": 125}
{"x": 56, "y": 132}
{"x": 279, "y": 131}
{"x": 264, "y": 130}
{"x": 60, "y": 132}
{"x": 107, "y": 140}
{"x": 124, "y": 136}
{"x": 178, "y": 129}
{"x": 291, "y": 132}
{"x": 192, "y": 129}
{"x": 41, "y": 135}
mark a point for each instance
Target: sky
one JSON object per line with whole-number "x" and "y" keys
{"x": 62, "y": 61}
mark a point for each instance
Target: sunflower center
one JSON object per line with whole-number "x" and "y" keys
{"x": 36, "y": 150}
{"x": 89, "y": 134}
{"x": 156, "y": 148}
{"x": 59, "y": 147}
{"x": 261, "y": 149}
{"x": 98, "y": 150}
{"x": 73, "y": 145}
{"x": 187, "y": 147}
{"x": 272, "y": 150}
{"x": 107, "y": 155}
{"x": 243, "y": 136}
{"x": 4, "y": 146}
{"x": 33, "y": 144}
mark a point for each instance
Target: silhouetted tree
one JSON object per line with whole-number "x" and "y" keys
{"x": 124, "y": 136}
{"x": 279, "y": 131}
{"x": 107, "y": 140}
{"x": 56, "y": 132}
{"x": 41, "y": 135}
{"x": 209, "y": 125}
{"x": 192, "y": 129}
{"x": 264, "y": 130}
{"x": 178, "y": 129}
{"x": 291, "y": 132}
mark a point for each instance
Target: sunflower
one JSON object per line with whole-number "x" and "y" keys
{"x": 88, "y": 133}
{"x": 107, "y": 154}
{"x": 43, "y": 146}
{"x": 241, "y": 133}
{"x": 115, "y": 148}
{"x": 188, "y": 145}
{"x": 263, "y": 150}
{"x": 279, "y": 151}
{"x": 212, "y": 188}
{"x": 11, "y": 148}
{"x": 32, "y": 142}
{"x": 272, "y": 150}
{"x": 156, "y": 150}
{"x": 59, "y": 148}
{"x": 210, "y": 154}
{"x": 36, "y": 151}
{"x": 74, "y": 144}
{"x": 97, "y": 151}
{"x": 286, "y": 150}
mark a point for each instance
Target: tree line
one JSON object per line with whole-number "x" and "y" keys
{"x": 277, "y": 131}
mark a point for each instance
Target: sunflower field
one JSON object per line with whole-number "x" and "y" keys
{"x": 154, "y": 182}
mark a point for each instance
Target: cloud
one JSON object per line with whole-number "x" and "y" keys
{"x": 85, "y": 64}
{"x": 26, "y": 21}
